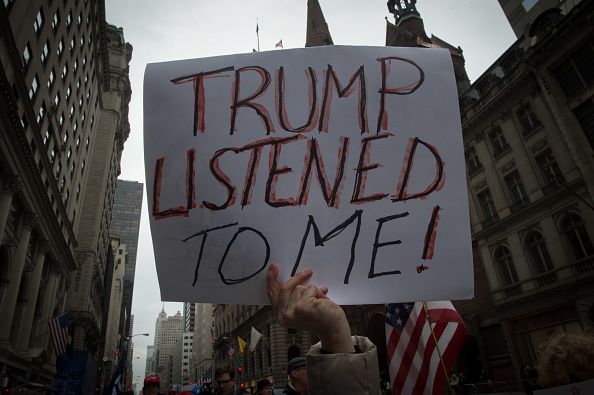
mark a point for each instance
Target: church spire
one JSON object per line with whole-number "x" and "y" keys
{"x": 317, "y": 28}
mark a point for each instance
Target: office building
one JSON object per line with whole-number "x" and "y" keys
{"x": 64, "y": 107}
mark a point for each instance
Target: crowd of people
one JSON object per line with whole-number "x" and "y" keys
{"x": 345, "y": 364}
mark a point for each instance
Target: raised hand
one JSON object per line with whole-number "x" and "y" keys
{"x": 298, "y": 306}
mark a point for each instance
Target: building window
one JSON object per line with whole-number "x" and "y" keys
{"x": 505, "y": 266}
{"x": 34, "y": 88}
{"x": 487, "y": 205}
{"x": 577, "y": 236}
{"x": 51, "y": 79}
{"x": 472, "y": 161}
{"x": 577, "y": 72}
{"x": 7, "y": 4}
{"x": 75, "y": 65}
{"x": 549, "y": 168}
{"x": 68, "y": 92}
{"x": 585, "y": 115}
{"x": 46, "y": 138}
{"x": 528, "y": 119}
{"x": 69, "y": 20}
{"x": 60, "y": 48}
{"x": 26, "y": 56}
{"x": 65, "y": 71}
{"x": 498, "y": 141}
{"x": 72, "y": 44}
{"x": 538, "y": 252}
{"x": 61, "y": 120}
{"x": 516, "y": 189}
{"x": 65, "y": 139}
{"x": 38, "y": 23}
{"x": 56, "y": 20}
{"x": 45, "y": 52}
{"x": 41, "y": 113}
{"x": 57, "y": 99}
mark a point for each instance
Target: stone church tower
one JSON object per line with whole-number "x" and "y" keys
{"x": 409, "y": 31}
{"x": 317, "y": 28}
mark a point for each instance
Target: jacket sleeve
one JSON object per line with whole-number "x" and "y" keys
{"x": 356, "y": 373}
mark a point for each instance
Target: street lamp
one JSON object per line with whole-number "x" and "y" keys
{"x": 138, "y": 334}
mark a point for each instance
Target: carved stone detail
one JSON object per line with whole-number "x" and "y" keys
{"x": 10, "y": 184}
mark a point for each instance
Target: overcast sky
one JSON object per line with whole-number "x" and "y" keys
{"x": 169, "y": 30}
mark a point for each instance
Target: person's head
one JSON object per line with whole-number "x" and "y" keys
{"x": 264, "y": 387}
{"x": 151, "y": 385}
{"x": 225, "y": 380}
{"x": 297, "y": 373}
{"x": 566, "y": 359}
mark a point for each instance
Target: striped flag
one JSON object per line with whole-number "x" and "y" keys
{"x": 279, "y": 44}
{"x": 58, "y": 328}
{"x": 415, "y": 363}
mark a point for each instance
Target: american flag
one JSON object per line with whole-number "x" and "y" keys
{"x": 59, "y": 331}
{"x": 415, "y": 363}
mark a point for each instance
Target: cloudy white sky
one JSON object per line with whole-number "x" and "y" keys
{"x": 169, "y": 30}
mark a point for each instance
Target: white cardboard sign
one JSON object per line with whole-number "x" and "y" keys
{"x": 345, "y": 160}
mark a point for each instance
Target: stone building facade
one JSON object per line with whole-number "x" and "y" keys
{"x": 63, "y": 123}
{"x": 202, "y": 360}
{"x": 528, "y": 126}
{"x": 168, "y": 330}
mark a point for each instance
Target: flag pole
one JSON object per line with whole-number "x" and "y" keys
{"x": 445, "y": 370}
{"x": 258, "y": 34}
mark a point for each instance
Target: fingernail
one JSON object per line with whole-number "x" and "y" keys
{"x": 305, "y": 272}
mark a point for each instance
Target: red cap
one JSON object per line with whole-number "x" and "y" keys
{"x": 152, "y": 379}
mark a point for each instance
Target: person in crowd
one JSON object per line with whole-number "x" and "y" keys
{"x": 225, "y": 381}
{"x": 151, "y": 386}
{"x": 566, "y": 359}
{"x": 297, "y": 371}
{"x": 339, "y": 363}
{"x": 264, "y": 387}
{"x": 206, "y": 389}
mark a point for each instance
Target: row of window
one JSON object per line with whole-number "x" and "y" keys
{"x": 577, "y": 239}
{"x": 529, "y": 123}
{"x": 550, "y": 172}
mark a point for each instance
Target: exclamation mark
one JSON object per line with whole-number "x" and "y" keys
{"x": 429, "y": 246}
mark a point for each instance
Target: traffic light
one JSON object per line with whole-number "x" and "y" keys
{"x": 239, "y": 369}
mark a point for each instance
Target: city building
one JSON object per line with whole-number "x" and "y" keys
{"x": 182, "y": 358}
{"x": 168, "y": 330}
{"x": 189, "y": 316}
{"x": 528, "y": 125}
{"x": 201, "y": 360}
{"x": 63, "y": 124}
{"x": 125, "y": 224}
{"x": 130, "y": 356}
{"x": 113, "y": 336}
{"x": 150, "y": 360}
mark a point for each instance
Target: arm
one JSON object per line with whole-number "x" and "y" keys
{"x": 333, "y": 366}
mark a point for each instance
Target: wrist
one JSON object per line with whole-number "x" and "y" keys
{"x": 339, "y": 340}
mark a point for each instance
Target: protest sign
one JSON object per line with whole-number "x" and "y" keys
{"x": 345, "y": 160}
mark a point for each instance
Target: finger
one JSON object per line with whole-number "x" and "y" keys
{"x": 286, "y": 290}
{"x": 322, "y": 293}
{"x": 310, "y": 292}
{"x": 273, "y": 285}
